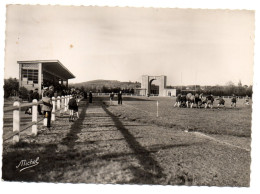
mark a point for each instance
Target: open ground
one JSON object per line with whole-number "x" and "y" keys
{"x": 129, "y": 144}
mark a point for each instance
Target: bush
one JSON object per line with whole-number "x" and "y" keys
{"x": 11, "y": 86}
{"x": 23, "y": 93}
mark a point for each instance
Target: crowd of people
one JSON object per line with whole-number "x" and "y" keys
{"x": 47, "y": 105}
{"x": 51, "y": 91}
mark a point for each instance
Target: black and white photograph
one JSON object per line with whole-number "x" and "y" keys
{"x": 128, "y": 95}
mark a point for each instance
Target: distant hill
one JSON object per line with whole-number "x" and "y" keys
{"x": 99, "y": 84}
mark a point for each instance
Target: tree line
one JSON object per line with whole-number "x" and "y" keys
{"x": 105, "y": 89}
{"x": 227, "y": 90}
{"x": 11, "y": 88}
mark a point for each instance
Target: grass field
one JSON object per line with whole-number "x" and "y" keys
{"x": 223, "y": 121}
{"x": 128, "y": 144}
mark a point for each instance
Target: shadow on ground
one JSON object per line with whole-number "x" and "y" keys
{"x": 60, "y": 161}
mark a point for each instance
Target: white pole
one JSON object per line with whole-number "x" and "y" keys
{"x": 45, "y": 120}
{"x": 62, "y": 105}
{"x": 16, "y": 123}
{"x": 66, "y": 103}
{"x": 157, "y": 108}
{"x": 34, "y": 117}
{"x": 58, "y": 106}
{"x": 53, "y": 109}
{"x": 181, "y": 81}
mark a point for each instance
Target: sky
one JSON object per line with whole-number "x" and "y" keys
{"x": 189, "y": 46}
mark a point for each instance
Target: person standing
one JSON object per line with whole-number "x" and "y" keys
{"x": 85, "y": 94}
{"x": 36, "y": 96}
{"x": 90, "y": 97}
{"x": 73, "y": 107}
{"x": 51, "y": 91}
{"x": 119, "y": 96}
{"x": 233, "y": 101}
{"x": 47, "y": 108}
{"x": 30, "y": 99}
{"x": 111, "y": 96}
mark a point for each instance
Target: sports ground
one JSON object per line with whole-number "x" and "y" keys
{"x": 130, "y": 144}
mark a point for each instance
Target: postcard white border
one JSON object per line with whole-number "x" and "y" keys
{"x": 10, "y": 187}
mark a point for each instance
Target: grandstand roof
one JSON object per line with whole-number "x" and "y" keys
{"x": 54, "y": 66}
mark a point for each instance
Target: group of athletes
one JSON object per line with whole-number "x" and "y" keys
{"x": 200, "y": 100}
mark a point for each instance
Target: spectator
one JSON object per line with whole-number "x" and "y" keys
{"x": 73, "y": 107}
{"x": 30, "y": 96}
{"x": 119, "y": 96}
{"x": 47, "y": 108}
{"x": 30, "y": 99}
{"x": 111, "y": 97}
{"x": 44, "y": 91}
{"x": 51, "y": 91}
{"x": 85, "y": 94}
{"x": 63, "y": 93}
{"x": 36, "y": 96}
{"x": 90, "y": 97}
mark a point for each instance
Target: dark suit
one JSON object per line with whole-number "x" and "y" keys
{"x": 120, "y": 99}
{"x": 90, "y": 97}
{"x": 36, "y": 96}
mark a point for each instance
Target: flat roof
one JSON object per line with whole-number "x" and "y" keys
{"x": 54, "y": 66}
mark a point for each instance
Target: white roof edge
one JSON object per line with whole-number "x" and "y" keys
{"x": 47, "y": 61}
{"x": 38, "y": 61}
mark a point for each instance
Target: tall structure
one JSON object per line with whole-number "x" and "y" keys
{"x": 37, "y": 73}
{"x": 163, "y": 90}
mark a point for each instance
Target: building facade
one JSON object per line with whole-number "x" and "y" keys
{"x": 147, "y": 88}
{"x": 41, "y": 73}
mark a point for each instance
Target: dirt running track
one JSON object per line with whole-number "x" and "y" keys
{"x": 102, "y": 148}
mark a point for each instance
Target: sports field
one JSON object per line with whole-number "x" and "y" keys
{"x": 129, "y": 144}
{"x": 222, "y": 121}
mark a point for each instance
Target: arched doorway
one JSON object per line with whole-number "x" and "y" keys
{"x": 154, "y": 87}
{"x": 147, "y": 84}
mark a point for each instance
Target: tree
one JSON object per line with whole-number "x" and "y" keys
{"x": 82, "y": 89}
{"x": 239, "y": 83}
{"x": 11, "y": 87}
{"x": 230, "y": 88}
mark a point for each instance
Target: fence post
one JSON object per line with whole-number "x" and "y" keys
{"x": 157, "y": 108}
{"x": 34, "y": 117}
{"x": 58, "y": 106}
{"x": 16, "y": 123}
{"x": 66, "y": 103}
{"x": 53, "y": 109}
{"x": 45, "y": 120}
{"x": 62, "y": 105}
